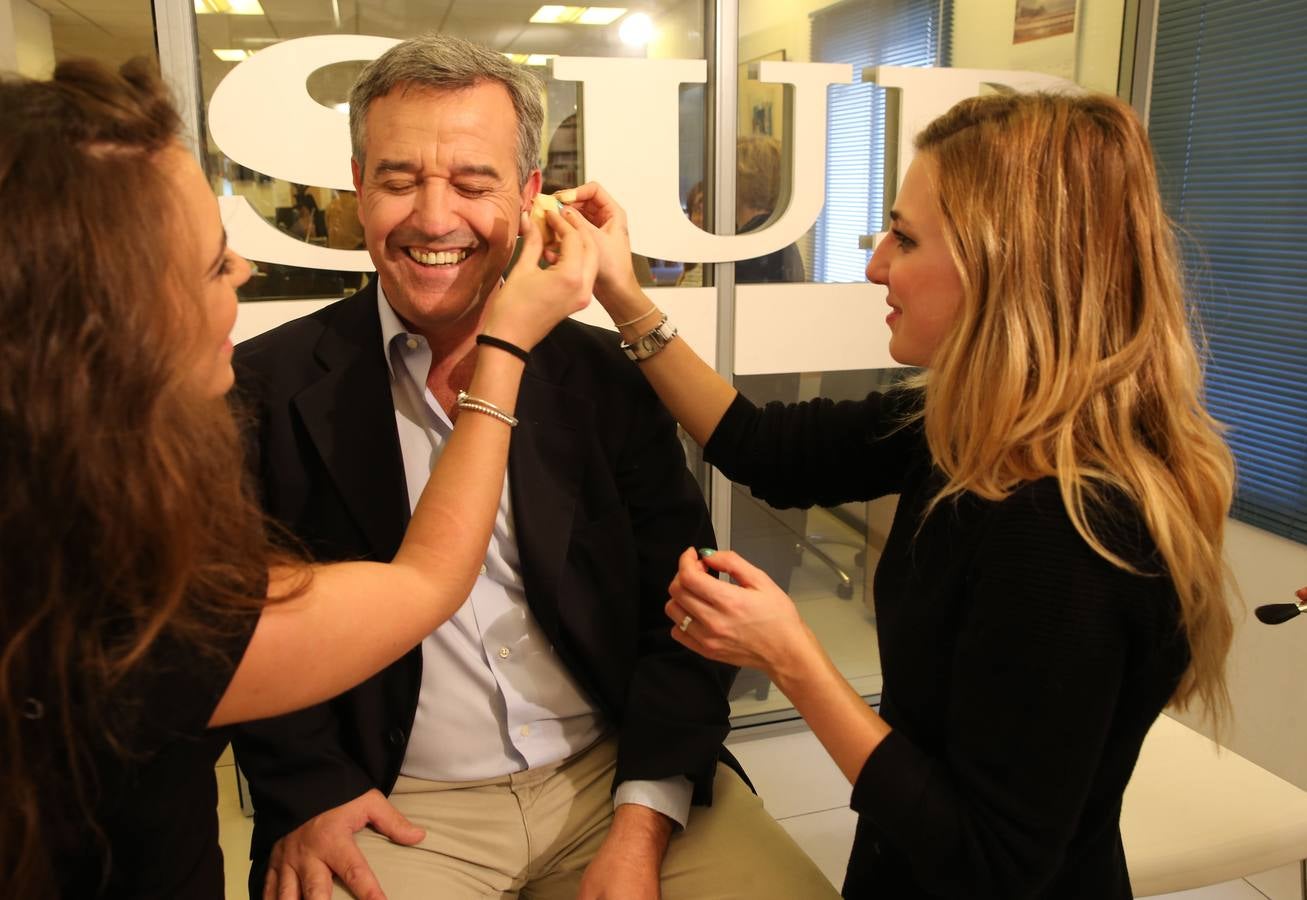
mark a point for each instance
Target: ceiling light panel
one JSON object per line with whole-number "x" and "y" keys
{"x": 577, "y": 15}
{"x": 549, "y": 15}
{"x": 229, "y": 7}
{"x": 600, "y": 15}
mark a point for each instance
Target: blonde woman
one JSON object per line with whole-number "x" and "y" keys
{"x": 1054, "y": 574}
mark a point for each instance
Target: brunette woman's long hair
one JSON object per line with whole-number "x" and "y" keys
{"x": 125, "y": 519}
{"x": 1073, "y": 355}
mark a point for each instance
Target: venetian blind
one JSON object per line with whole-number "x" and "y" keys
{"x": 1228, "y": 121}
{"x": 865, "y": 33}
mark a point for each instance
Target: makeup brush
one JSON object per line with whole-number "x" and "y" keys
{"x": 1275, "y": 613}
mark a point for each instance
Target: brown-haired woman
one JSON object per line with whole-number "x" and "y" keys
{"x": 1054, "y": 575}
{"x": 136, "y": 569}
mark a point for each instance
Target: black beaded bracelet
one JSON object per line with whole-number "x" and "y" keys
{"x": 492, "y": 341}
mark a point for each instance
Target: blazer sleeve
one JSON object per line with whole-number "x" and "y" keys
{"x": 677, "y": 713}
{"x": 297, "y": 764}
{"x": 297, "y": 767}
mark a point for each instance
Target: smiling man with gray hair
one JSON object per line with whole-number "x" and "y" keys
{"x": 551, "y": 740}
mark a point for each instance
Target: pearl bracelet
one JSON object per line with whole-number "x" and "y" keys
{"x": 476, "y": 404}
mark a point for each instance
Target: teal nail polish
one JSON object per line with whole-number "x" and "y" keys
{"x": 705, "y": 552}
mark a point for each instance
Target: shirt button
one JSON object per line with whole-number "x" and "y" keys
{"x": 483, "y": 568}
{"x": 396, "y": 737}
{"x": 412, "y": 343}
{"x": 504, "y": 653}
{"x": 526, "y": 731}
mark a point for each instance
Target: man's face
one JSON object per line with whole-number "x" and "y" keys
{"x": 439, "y": 198}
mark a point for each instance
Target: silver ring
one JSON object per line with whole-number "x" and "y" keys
{"x": 685, "y": 623}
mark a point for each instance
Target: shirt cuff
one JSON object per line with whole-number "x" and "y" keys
{"x": 669, "y": 796}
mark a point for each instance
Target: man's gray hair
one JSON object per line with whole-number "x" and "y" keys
{"x": 443, "y": 62}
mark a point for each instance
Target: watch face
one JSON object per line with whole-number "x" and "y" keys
{"x": 647, "y": 345}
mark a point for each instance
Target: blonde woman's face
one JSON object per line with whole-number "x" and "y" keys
{"x": 215, "y": 268}
{"x": 913, "y": 262}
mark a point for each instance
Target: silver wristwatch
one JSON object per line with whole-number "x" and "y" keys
{"x": 646, "y": 345}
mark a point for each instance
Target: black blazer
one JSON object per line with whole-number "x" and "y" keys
{"x": 603, "y": 505}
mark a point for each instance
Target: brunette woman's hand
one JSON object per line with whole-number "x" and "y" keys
{"x": 749, "y": 623}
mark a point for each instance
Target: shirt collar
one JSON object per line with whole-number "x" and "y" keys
{"x": 392, "y": 327}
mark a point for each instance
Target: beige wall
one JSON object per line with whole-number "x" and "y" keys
{"x": 26, "y": 46}
{"x": 679, "y": 33}
{"x": 1268, "y": 666}
{"x": 1090, "y": 56}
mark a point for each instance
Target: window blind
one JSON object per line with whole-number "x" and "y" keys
{"x": 1228, "y": 121}
{"x": 865, "y": 33}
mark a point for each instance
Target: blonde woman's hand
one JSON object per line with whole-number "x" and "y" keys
{"x": 616, "y": 278}
{"x": 533, "y": 300}
{"x": 749, "y": 623}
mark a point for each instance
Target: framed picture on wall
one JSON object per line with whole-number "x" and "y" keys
{"x": 760, "y": 104}
{"x": 1036, "y": 19}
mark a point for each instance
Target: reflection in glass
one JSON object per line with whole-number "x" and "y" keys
{"x": 37, "y": 34}
{"x": 824, "y": 558}
{"x": 673, "y": 29}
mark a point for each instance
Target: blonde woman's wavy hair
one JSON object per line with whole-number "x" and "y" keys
{"x": 1072, "y": 355}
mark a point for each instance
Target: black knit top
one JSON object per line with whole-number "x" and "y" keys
{"x": 1021, "y": 669}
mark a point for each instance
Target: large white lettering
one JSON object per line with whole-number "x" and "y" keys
{"x": 262, "y": 117}
{"x": 630, "y": 146}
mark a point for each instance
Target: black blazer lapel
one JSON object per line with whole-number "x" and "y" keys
{"x": 350, "y": 418}
{"x": 545, "y": 474}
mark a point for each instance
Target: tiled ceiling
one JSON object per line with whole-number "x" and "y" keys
{"x": 113, "y": 30}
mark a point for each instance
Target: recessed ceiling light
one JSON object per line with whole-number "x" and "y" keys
{"x": 637, "y": 30}
{"x": 552, "y": 14}
{"x": 230, "y": 7}
{"x": 601, "y": 15}
{"x": 529, "y": 59}
{"x": 232, "y": 55}
{"x": 579, "y": 15}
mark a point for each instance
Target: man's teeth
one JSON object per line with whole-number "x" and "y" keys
{"x": 438, "y": 258}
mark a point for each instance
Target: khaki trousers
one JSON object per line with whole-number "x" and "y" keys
{"x": 531, "y": 835}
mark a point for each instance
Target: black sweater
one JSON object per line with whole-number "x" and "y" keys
{"x": 1021, "y": 669}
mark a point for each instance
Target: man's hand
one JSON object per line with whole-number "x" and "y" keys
{"x": 629, "y": 863}
{"x": 303, "y": 862}
{"x": 1302, "y": 594}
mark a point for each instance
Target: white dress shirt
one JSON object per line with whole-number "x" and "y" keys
{"x": 495, "y": 699}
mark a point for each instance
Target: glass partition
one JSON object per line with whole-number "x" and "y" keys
{"x": 326, "y": 216}
{"x": 825, "y": 558}
{"x": 805, "y": 323}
